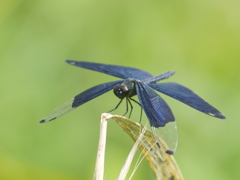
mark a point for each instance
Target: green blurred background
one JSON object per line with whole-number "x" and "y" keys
{"x": 200, "y": 40}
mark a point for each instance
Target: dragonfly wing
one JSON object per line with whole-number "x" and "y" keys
{"x": 113, "y": 70}
{"x": 188, "y": 97}
{"x": 156, "y": 109}
{"x": 159, "y": 77}
{"x": 169, "y": 135}
{"x": 80, "y": 99}
{"x": 160, "y": 116}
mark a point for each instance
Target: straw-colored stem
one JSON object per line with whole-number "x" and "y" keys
{"x": 99, "y": 168}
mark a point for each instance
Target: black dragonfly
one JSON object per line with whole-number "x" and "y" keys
{"x": 140, "y": 83}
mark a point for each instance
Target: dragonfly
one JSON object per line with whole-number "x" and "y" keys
{"x": 141, "y": 83}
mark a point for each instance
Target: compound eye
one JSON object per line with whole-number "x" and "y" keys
{"x": 118, "y": 91}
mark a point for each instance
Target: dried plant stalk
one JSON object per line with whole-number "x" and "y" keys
{"x": 163, "y": 165}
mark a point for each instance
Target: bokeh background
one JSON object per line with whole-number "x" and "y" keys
{"x": 200, "y": 40}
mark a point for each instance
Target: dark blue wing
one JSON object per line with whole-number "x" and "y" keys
{"x": 160, "y": 117}
{"x": 156, "y": 109}
{"x": 80, "y": 99}
{"x": 188, "y": 97}
{"x": 113, "y": 70}
{"x": 159, "y": 77}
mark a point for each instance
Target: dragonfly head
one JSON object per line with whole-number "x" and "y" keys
{"x": 121, "y": 91}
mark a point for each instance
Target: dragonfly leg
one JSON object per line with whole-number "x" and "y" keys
{"x": 140, "y": 106}
{"x": 131, "y": 108}
{"x": 126, "y": 107}
{"x": 115, "y": 107}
